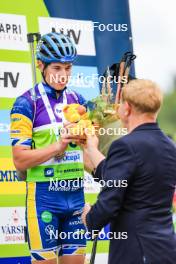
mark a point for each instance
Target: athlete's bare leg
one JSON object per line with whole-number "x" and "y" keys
{"x": 77, "y": 259}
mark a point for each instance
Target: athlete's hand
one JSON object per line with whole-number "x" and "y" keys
{"x": 66, "y": 137}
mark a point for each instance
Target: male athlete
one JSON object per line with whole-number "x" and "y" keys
{"x": 53, "y": 212}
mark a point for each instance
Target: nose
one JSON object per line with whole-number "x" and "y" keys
{"x": 63, "y": 75}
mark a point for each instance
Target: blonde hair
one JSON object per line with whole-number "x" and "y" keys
{"x": 144, "y": 95}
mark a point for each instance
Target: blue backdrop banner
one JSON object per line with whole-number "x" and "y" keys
{"x": 110, "y": 24}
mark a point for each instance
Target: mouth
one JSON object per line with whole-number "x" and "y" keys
{"x": 61, "y": 83}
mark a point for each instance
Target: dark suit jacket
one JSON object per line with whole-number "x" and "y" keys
{"x": 146, "y": 159}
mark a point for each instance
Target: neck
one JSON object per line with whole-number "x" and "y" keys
{"x": 140, "y": 120}
{"x": 57, "y": 91}
{"x": 57, "y": 94}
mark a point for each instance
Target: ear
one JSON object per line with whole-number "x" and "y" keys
{"x": 40, "y": 65}
{"x": 127, "y": 109}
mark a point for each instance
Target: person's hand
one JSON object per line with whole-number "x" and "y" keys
{"x": 92, "y": 142}
{"x": 67, "y": 137}
{"x": 86, "y": 210}
{"x": 88, "y": 165}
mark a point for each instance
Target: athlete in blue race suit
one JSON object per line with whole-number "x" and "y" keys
{"x": 54, "y": 165}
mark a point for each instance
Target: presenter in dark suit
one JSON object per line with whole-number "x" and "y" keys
{"x": 145, "y": 159}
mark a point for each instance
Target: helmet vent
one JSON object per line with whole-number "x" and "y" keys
{"x": 72, "y": 50}
{"x": 43, "y": 52}
{"x": 64, "y": 40}
{"x": 67, "y": 50}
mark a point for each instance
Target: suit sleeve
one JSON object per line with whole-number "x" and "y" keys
{"x": 116, "y": 171}
{"x": 98, "y": 175}
{"x": 81, "y": 100}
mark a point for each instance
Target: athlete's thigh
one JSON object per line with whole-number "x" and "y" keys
{"x": 73, "y": 259}
{"x": 42, "y": 226}
{"x": 73, "y": 243}
{"x": 72, "y": 236}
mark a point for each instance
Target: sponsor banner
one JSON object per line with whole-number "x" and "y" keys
{"x": 18, "y": 260}
{"x": 12, "y": 188}
{"x": 12, "y": 225}
{"x": 5, "y": 128}
{"x": 80, "y": 31}
{"x": 6, "y": 103}
{"x": 7, "y": 170}
{"x": 6, "y": 164}
{"x": 84, "y": 80}
{"x": 111, "y": 25}
{"x": 8, "y": 175}
{"x": 13, "y": 31}
{"x": 15, "y": 78}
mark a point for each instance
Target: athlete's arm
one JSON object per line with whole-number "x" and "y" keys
{"x": 81, "y": 99}
{"x": 24, "y": 156}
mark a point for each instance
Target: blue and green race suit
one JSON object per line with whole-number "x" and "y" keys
{"x": 55, "y": 196}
